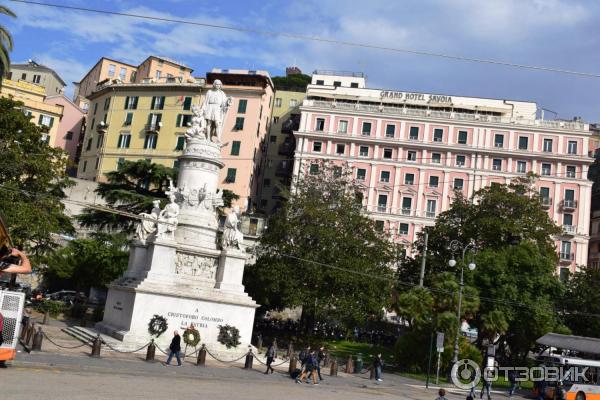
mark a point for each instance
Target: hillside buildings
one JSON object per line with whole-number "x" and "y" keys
{"x": 38, "y": 74}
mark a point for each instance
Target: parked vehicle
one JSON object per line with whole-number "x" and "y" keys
{"x": 68, "y": 296}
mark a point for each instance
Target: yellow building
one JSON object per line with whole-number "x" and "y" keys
{"x": 132, "y": 121}
{"x": 285, "y": 119}
{"x": 44, "y": 115}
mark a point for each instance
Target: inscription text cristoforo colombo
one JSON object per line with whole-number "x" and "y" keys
{"x": 199, "y": 321}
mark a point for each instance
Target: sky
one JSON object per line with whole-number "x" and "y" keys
{"x": 553, "y": 33}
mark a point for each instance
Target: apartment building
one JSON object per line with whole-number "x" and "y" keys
{"x": 410, "y": 151}
{"x": 38, "y": 74}
{"x": 285, "y": 119}
{"x": 45, "y": 115}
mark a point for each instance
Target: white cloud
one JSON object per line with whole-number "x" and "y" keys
{"x": 70, "y": 70}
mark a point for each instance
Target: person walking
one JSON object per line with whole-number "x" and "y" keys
{"x": 309, "y": 369}
{"x": 271, "y": 354}
{"x": 377, "y": 364}
{"x": 486, "y": 386}
{"x": 512, "y": 378}
{"x": 2, "y": 362}
{"x": 320, "y": 358}
{"x": 175, "y": 348}
{"x": 441, "y": 395}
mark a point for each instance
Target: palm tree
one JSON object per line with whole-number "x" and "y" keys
{"x": 6, "y": 44}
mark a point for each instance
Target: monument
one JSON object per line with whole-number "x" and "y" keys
{"x": 177, "y": 267}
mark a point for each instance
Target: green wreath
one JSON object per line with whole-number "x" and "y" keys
{"x": 191, "y": 337}
{"x": 229, "y": 336}
{"x": 157, "y": 325}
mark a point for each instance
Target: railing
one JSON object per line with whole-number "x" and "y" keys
{"x": 430, "y": 214}
{"x": 568, "y": 204}
{"x": 286, "y": 149}
{"x": 546, "y": 201}
{"x": 102, "y": 127}
{"x": 566, "y": 256}
{"x": 153, "y": 127}
{"x": 338, "y": 73}
{"x": 569, "y": 229}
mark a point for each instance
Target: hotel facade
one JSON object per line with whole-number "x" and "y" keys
{"x": 410, "y": 151}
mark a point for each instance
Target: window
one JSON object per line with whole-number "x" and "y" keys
{"x": 235, "y": 148}
{"x": 337, "y": 171}
{"x": 545, "y": 195}
{"x": 230, "y": 178}
{"x": 361, "y": 174}
{"x": 242, "y": 106}
{"x": 97, "y": 163}
{"x": 111, "y": 69}
{"x": 521, "y": 167}
{"x": 431, "y": 206}
{"x": 95, "y": 108}
{"x": 387, "y": 154}
{"x": 498, "y": 140}
{"x": 158, "y": 102}
{"x": 569, "y": 198}
{"x": 176, "y": 164}
{"x": 24, "y": 76}
{"x": 546, "y": 169}
{"x": 343, "y": 126}
{"x": 154, "y": 121}
{"x": 390, "y": 131}
{"x": 46, "y": 120}
{"x": 275, "y": 120}
{"x": 565, "y": 251}
{"x": 317, "y": 146}
{"x": 128, "y": 119}
{"x": 497, "y": 164}
{"x": 320, "y": 125}
{"x": 37, "y": 78}
{"x": 366, "y": 128}
{"x": 150, "y": 141}
{"x": 409, "y": 179}
{"x": 183, "y": 120}
{"x": 382, "y": 202}
{"x": 158, "y": 73}
{"x": 84, "y": 166}
{"x": 436, "y": 158}
{"x": 187, "y": 103}
{"x": 403, "y": 229}
{"x": 379, "y": 225}
{"x": 69, "y": 135}
{"x": 273, "y": 139}
{"x": 438, "y": 135}
{"x": 120, "y": 162}
{"x": 340, "y": 148}
{"x": 320, "y": 82}
{"x": 571, "y": 170}
{"x": 458, "y": 183}
{"x": 462, "y": 137}
{"x": 523, "y": 142}
{"x": 132, "y": 78}
{"x": 411, "y": 155}
{"x": 547, "y": 145}
{"x": 239, "y": 124}
{"x": 277, "y": 102}
{"x": 434, "y": 181}
{"x": 564, "y": 274}
{"x": 267, "y": 182}
{"x": 181, "y": 143}
{"x": 293, "y": 102}
{"x": 460, "y": 161}
{"x": 337, "y": 83}
{"x": 124, "y": 141}
{"x": 131, "y": 102}
{"x": 406, "y": 205}
{"x": 89, "y": 144}
{"x": 363, "y": 151}
{"x": 106, "y": 103}
{"x": 572, "y": 147}
{"x": 314, "y": 169}
{"x": 100, "y": 141}
{"x": 568, "y": 219}
{"x": 93, "y": 124}
{"x": 384, "y": 176}
{"x": 414, "y": 133}
{"x": 122, "y": 73}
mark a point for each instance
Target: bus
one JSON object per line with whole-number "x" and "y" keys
{"x": 579, "y": 379}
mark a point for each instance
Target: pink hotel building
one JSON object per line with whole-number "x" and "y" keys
{"x": 411, "y": 150}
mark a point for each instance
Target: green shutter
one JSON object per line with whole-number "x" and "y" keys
{"x": 135, "y": 101}
{"x": 180, "y": 142}
{"x": 235, "y": 148}
{"x": 153, "y": 102}
{"x": 51, "y": 122}
{"x": 126, "y": 102}
{"x": 187, "y": 103}
{"x": 231, "y": 172}
{"x": 40, "y": 119}
{"x": 178, "y": 123}
{"x": 162, "y": 102}
{"x": 242, "y": 106}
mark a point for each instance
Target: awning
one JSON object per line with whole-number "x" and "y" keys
{"x": 569, "y": 342}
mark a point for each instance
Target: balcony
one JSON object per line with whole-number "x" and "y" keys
{"x": 283, "y": 170}
{"x": 546, "y": 202}
{"x": 568, "y": 205}
{"x": 291, "y": 124}
{"x": 566, "y": 258}
{"x": 569, "y": 230}
{"x": 406, "y": 211}
{"x": 429, "y": 214}
{"x": 155, "y": 127}
{"x": 286, "y": 149}
{"x": 101, "y": 126}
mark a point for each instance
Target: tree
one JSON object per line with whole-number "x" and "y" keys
{"x": 32, "y": 180}
{"x": 581, "y": 304}
{"x": 6, "y": 44}
{"x": 86, "y": 263}
{"x": 322, "y": 253}
{"x": 294, "y": 82}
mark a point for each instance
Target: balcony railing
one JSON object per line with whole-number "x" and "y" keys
{"x": 286, "y": 149}
{"x": 102, "y": 127}
{"x": 283, "y": 170}
{"x": 153, "y": 127}
{"x": 566, "y": 256}
{"x": 546, "y": 201}
{"x": 406, "y": 211}
{"x": 429, "y": 214}
{"x": 568, "y": 204}
{"x": 570, "y": 229}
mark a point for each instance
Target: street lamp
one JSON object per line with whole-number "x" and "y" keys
{"x": 455, "y": 246}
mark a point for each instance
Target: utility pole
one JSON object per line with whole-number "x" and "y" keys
{"x": 423, "y": 260}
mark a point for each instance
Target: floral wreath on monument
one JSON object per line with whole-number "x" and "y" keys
{"x": 191, "y": 336}
{"x": 157, "y": 325}
{"x": 229, "y": 336}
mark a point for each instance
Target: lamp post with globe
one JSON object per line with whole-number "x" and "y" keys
{"x": 456, "y": 246}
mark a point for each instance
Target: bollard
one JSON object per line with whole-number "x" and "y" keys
{"x": 249, "y": 360}
{"x": 202, "y": 356}
{"x": 293, "y": 363}
{"x": 259, "y": 343}
{"x": 372, "y": 374}
{"x": 275, "y": 344}
{"x": 24, "y": 331}
{"x": 46, "y": 318}
{"x": 333, "y": 369}
{"x": 96, "y": 346}
{"x": 151, "y": 351}
{"x": 290, "y": 350}
{"x": 349, "y": 365}
{"x": 29, "y": 335}
{"x": 38, "y": 338}
{"x": 327, "y": 359}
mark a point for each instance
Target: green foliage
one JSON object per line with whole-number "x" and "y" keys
{"x": 84, "y": 263}
{"x": 157, "y": 325}
{"x": 77, "y": 310}
{"x": 310, "y": 245}
{"x": 32, "y": 180}
{"x": 293, "y": 83}
{"x": 6, "y": 44}
{"x": 415, "y": 306}
{"x": 52, "y": 307}
{"x": 98, "y": 314}
{"x": 191, "y": 337}
{"x": 228, "y": 336}
{"x": 132, "y": 189}
{"x": 582, "y": 298}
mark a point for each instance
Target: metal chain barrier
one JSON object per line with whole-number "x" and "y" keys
{"x": 161, "y": 350}
{"x": 124, "y": 351}
{"x": 272, "y": 365}
{"x": 226, "y": 361}
{"x": 88, "y": 343}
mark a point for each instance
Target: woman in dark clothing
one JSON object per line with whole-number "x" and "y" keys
{"x": 377, "y": 364}
{"x": 175, "y": 348}
{"x": 271, "y": 354}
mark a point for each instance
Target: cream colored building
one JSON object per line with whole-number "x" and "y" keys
{"x": 44, "y": 115}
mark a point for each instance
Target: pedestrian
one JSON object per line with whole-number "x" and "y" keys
{"x": 512, "y": 378}
{"x": 271, "y": 354}
{"x": 441, "y": 395}
{"x": 175, "y": 348}
{"x": 2, "y": 362}
{"x": 320, "y": 358}
{"x": 377, "y": 364}
{"x": 310, "y": 367}
{"x": 542, "y": 392}
{"x": 304, "y": 354}
{"x": 486, "y": 386}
